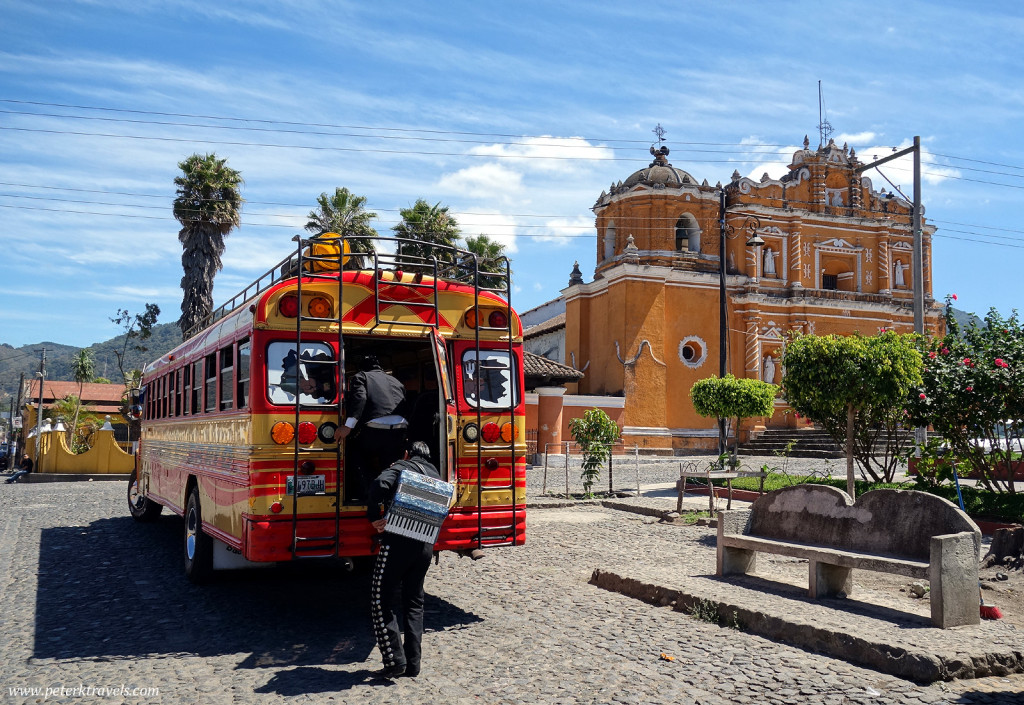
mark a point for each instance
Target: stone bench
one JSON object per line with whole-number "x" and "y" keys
{"x": 905, "y": 532}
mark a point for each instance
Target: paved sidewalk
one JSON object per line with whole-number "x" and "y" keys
{"x": 878, "y": 626}
{"x": 92, "y": 598}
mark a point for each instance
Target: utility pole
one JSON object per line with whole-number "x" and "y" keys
{"x": 39, "y": 410}
{"x": 917, "y": 256}
{"x": 20, "y": 445}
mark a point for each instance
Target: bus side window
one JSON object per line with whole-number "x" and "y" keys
{"x": 227, "y": 377}
{"x": 243, "y": 374}
{"x": 197, "y": 387}
{"x": 211, "y": 382}
{"x": 186, "y": 392}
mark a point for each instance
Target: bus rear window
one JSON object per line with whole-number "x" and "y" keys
{"x": 312, "y": 372}
{"x": 492, "y": 380}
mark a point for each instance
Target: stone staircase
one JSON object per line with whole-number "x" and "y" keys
{"x": 807, "y": 443}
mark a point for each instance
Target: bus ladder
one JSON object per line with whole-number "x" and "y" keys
{"x": 328, "y": 543}
{"x": 499, "y": 283}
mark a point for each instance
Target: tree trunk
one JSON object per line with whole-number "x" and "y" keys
{"x": 849, "y": 451}
{"x": 1007, "y": 548}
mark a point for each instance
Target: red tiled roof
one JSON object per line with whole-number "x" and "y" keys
{"x": 537, "y": 368}
{"x": 101, "y": 397}
{"x": 547, "y": 326}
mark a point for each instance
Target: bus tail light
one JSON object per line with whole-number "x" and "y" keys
{"x": 497, "y": 319}
{"x": 326, "y": 432}
{"x": 470, "y": 318}
{"x": 471, "y": 433}
{"x": 282, "y": 433}
{"x": 307, "y": 432}
{"x": 276, "y": 508}
{"x": 509, "y": 431}
{"x": 491, "y": 432}
{"x": 289, "y": 306}
{"x": 319, "y": 307}
{"x": 491, "y": 464}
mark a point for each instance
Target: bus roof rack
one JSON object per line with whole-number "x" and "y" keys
{"x": 451, "y": 263}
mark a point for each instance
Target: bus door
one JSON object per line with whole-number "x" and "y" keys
{"x": 446, "y": 429}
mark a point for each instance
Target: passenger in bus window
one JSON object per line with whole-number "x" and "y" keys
{"x": 376, "y": 421}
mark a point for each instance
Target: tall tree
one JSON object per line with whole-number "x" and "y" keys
{"x": 208, "y": 206}
{"x": 427, "y": 226}
{"x": 83, "y": 369}
{"x": 490, "y": 258}
{"x": 137, "y": 330}
{"x": 344, "y": 213}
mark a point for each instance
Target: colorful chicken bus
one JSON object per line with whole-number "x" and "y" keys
{"x": 239, "y": 421}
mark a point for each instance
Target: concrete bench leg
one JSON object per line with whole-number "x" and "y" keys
{"x": 953, "y": 578}
{"x": 826, "y": 580}
{"x": 735, "y": 561}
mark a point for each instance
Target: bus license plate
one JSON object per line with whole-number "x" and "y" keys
{"x": 308, "y": 484}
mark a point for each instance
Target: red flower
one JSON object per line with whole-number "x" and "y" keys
{"x": 1001, "y": 363}
{"x": 945, "y": 351}
{"x": 954, "y": 297}
{"x": 932, "y": 354}
{"x": 923, "y": 395}
{"x": 970, "y": 388}
{"x": 967, "y": 362}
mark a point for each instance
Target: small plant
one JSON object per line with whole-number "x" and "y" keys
{"x": 594, "y": 433}
{"x": 690, "y": 518}
{"x": 937, "y": 465}
{"x": 705, "y": 611}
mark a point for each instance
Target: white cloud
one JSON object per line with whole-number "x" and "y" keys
{"x": 483, "y": 181}
{"x": 551, "y": 154}
{"x": 497, "y": 226}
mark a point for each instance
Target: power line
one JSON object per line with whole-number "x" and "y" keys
{"x": 346, "y": 127}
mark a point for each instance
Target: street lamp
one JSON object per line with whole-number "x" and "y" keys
{"x": 750, "y": 226}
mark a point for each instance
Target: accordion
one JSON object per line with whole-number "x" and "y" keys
{"x": 420, "y": 506}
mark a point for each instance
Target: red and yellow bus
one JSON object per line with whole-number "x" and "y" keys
{"x": 239, "y": 421}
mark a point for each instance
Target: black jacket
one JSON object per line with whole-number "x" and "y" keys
{"x": 383, "y": 488}
{"x": 374, "y": 394}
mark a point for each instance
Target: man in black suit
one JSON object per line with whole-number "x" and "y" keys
{"x": 396, "y": 600}
{"x": 376, "y": 421}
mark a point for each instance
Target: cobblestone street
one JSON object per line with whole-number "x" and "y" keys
{"x": 93, "y": 599}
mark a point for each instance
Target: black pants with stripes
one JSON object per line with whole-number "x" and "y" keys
{"x": 397, "y": 589}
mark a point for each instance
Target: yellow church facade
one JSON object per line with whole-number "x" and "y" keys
{"x": 836, "y": 258}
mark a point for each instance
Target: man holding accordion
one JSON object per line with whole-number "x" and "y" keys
{"x": 417, "y": 502}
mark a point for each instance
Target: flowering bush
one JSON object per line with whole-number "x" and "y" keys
{"x": 971, "y": 387}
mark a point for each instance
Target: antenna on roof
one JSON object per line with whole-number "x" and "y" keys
{"x": 824, "y": 126}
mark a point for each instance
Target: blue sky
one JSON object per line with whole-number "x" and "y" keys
{"x": 515, "y": 115}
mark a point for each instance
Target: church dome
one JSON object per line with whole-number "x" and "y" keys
{"x": 659, "y": 173}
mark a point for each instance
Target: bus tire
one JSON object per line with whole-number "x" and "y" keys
{"x": 198, "y": 546}
{"x": 139, "y": 505}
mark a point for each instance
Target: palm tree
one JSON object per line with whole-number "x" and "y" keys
{"x": 83, "y": 368}
{"x": 344, "y": 213}
{"x": 208, "y": 206}
{"x": 490, "y": 258}
{"x": 430, "y": 225}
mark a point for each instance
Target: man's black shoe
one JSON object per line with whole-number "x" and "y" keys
{"x": 411, "y": 672}
{"x": 390, "y": 672}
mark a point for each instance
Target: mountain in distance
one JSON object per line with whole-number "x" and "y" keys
{"x": 25, "y": 359}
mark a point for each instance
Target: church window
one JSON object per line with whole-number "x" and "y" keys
{"x": 687, "y": 234}
{"x": 609, "y": 240}
{"x": 692, "y": 351}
